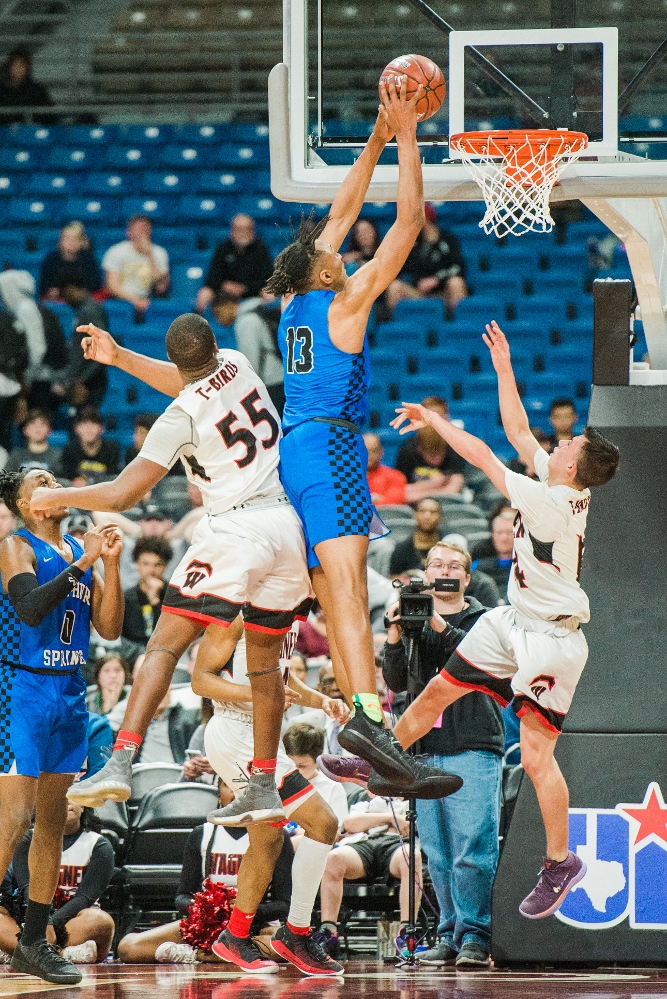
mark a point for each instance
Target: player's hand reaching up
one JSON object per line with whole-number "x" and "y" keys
{"x": 417, "y": 415}
{"x": 400, "y": 113}
{"x": 382, "y": 128}
{"x": 98, "y": 345}
{"x": 496, "y": 341}
{"x": 113, "y": 546}
{"x": 95, "y": 540}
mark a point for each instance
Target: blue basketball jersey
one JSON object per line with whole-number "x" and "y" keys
{"x": 320, "y": 379}
{"x": 61, "y": 641}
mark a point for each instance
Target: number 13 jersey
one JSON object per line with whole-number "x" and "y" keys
{"x": 226, "y": 430}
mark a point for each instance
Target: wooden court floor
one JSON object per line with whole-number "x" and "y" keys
{"x": 363, "y": 978}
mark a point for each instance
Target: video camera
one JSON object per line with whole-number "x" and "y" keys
{"x": 415, "y": 603}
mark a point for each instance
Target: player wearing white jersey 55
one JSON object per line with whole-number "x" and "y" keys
{"x": 532, "y": 652}
{"x": 225, "y": 429}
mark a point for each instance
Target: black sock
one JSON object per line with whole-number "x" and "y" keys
{"x": 36, "y": 921}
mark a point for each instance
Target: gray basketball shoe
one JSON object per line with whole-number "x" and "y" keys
{"x": 258, "y": 803}
{"x": 113, "y": 782}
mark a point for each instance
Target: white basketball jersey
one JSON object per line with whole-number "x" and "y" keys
{"x": 74, "y": 861}
{"x": 549, "y": 532}
{"x": 226, "y": 430}
{"x": 226, "y": 854}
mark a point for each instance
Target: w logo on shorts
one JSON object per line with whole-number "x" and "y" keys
{"x": 195, "y": 572}
{"x": 541, "y": 684}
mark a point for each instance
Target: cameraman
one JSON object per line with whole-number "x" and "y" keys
{"x": 460, "y": 833}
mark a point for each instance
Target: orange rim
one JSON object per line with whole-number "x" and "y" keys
{"x": 477, "y": 143}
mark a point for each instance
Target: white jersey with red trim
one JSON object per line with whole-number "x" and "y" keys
{"x": 549, "y": 531}
{"x": 74, "y": 861}
{"x": 226, "y": 430}
{"x": 239, "y": 670}
{"x": 221, "y": 854}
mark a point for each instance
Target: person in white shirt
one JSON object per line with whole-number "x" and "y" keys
{"x": 137, "y": 269}
{"x": 303, "y": 744}
{"x": 532, "y": 652}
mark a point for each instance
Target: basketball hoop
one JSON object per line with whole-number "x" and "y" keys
{"x": 516, "y": 171}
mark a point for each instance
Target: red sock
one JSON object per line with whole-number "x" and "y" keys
{"x": 302, "y": 931}
{"x": 125, "y": 740}
{"x": 263, "y": 766}
{"x": 239, "y": 923}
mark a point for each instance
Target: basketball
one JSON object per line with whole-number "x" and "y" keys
{"x": 419, "y": 70}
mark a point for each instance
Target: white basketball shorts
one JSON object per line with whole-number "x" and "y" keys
{"x": 228, "y": 744}
{"x": 252, "y": 560}
{"x": 533, "y": 664}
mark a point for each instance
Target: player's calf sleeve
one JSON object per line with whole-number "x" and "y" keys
{"x": 307, "y": 872}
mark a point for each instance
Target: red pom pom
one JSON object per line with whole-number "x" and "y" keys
{"x": 208, "y": 915}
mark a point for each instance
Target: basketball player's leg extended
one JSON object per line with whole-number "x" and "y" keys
{"x": 537, "y": 757}
{"x": 172, "y": 636}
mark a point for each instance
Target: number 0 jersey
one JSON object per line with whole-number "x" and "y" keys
{"x": 320, "y": 379}
{"x": 60, "y": 642}
{"x": 549, "y": 532}
{"x": 226, "y": 431}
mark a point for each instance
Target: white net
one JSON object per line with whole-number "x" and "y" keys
{"x": 516, "y": 172}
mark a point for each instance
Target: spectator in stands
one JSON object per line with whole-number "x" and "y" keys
{"x": 213, "y": 852}
{"x": 381, "y": 851}
{"x": 89, "y": 457}
{"x": 8, "y": 522}
{"x": 185, "y": 527}
{"x": 429, "y": 465}
{"x": 412, "y": 553}
{"x": 37, "y": 452}
{"x": 387, "y": 485}
{"x": 143, "y": 602}
{"x": 142, "y": 424}
{"x": 169, "y": 732}
{"x": 112, "y": 684}
{"x": 481, "y": 586}
{"x": 499, "y": 565}
{"x": 545, "y": 442}
{"x": 363, "y": 241}
{"x": 458, "y": 834}
{"x": 84, "y": 382}
{"x": 78, "y": 925}
{"x": 303, "y": 744}
{"x": 312, "y": 640}
{"x": 154, "y": 522}
{"x": 136, "y": 269}
{"x": 255, "y": 325}
{"x": 318, "y": 717}
{"x": 434, "y": 269}
{"x": 72, "y": 262}
{"x": 18, "y": 89}
{"x": 241, "y": 264}
{"x": 562, "y": 417}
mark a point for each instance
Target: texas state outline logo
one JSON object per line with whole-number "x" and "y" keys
{"x": 625, "y": 851}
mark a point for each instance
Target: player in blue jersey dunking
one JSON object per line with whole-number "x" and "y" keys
{"x": 50, "y": 595}
{"x": 322, "y": 336}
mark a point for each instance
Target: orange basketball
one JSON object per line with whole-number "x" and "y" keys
{"x": 418, "y": 69}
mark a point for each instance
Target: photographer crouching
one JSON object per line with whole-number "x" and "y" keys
{"x": 459, "y": 834}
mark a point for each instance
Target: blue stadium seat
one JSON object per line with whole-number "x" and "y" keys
{"x": 195, "y": 209}
{"x": 378, "y": 211}
{"x": 65, "y": 315}
{"x": 166, "y": 182}
{"x": 145, "y": 135}
{"x": 21, "y": 261}
{"x": 216, "y": 181}
{"x": 476, "y": 309}
{"x": 50, "y": 183}
{"x": 267, "y": 207}
{"x": 11, "y": 240}
{"x": 159, "y": 206}
{"x": 19, "y": 159}
{"x": 505, "y": 287}
{"x": 121, "y": 315}
{"x": 34, "y": 135}
{"x": 186, "y": 280}
{"x": 184, "y": 156}
{"x": 103, "y": 208}
{"x": 168, "y": 308}
{"x": 123, "y": 157}
{"x": 245, "y": 132}
{"x": 238, "y": 156}
{"x": 91, "y": 135}
{"x": 420, "y": 311}
{"x": 169, "y": 236}
{"x": 559, "y": 282}
{"x": 201, "y": 134}
{"x": 70, "y": 158}
{"x": 9, "y": 185}
{"x": 30, "y": 210}
{"x": 109, "y": 182}
{"x": 256, "y": 181}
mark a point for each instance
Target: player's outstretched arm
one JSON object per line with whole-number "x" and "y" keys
{"x": 347, "y": 204}
{"x": 100, "y": 346}
{"x": 364, "y": 286}
{"x": 107, "y": 605}
{"x": 514, "y": 416}
{"x": 468, "y": 446}
{"x": 121, "y": 494}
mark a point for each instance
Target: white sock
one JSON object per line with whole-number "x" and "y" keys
{"x": 307, "y": 872}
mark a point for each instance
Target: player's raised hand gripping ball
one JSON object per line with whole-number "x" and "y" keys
{"x": 418, "y": 70}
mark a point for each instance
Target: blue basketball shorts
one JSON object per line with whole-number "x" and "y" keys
{"x": 43, "y": 722}
{"x": 323, "y": 471}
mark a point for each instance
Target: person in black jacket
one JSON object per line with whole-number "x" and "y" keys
{"x": 18, "y": 89}
{"x": 78, "y": 925}
{"x": 143, "y": 602}
{"x": 460, "y": 833}
{"x": 213, "y": 852}
{"x": 241, "y": 265}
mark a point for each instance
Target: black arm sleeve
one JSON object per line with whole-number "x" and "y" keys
{"x": 191, "y": 880}
{"x": 94, "y": 883}
{"x": 33, "y": 602}
{"x": 395, "y": 667}
{"x": 280, "y": 889}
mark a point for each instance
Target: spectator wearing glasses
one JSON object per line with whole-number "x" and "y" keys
{"x": 459, "y": 834}
{"x": 240, "y": 267}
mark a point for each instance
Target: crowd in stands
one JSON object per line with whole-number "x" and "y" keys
{"x": 445, "y": 522}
